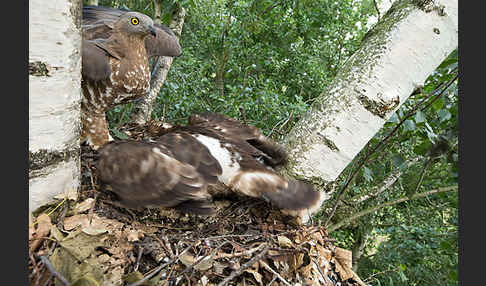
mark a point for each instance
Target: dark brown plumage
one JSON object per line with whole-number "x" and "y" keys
{"x": 176, "y": 169}
{"x": 116, "y": 48}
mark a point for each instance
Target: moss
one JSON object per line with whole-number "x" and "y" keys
{"x": 379, "y": 108}
{"x": 39, "y": 68}
{"x": 44, "y": 158}
{"x": 76, "y": 10}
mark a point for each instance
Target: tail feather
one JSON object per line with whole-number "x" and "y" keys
{"x": 297, "y": 196}
{"x": 294, "y": 197}
{"x": 276, "y": 154}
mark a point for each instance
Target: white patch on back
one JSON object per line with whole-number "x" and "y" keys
{"x": 230, "y": 168}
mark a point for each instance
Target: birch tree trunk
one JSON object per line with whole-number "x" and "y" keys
{"x": 54, "y": 98}
{"x": 143, "y": 111}
{"x": 395, "y": 57}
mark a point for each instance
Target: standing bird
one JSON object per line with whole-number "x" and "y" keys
{"x": 116, "y": 48}
{"x": 176, "y": 168}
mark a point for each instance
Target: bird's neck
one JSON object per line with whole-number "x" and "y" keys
{"x": 132, "y": 45}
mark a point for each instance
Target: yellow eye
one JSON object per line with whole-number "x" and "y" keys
{"x": 135, "y": 21}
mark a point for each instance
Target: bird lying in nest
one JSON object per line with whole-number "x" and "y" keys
{"x": 175, "y": 169}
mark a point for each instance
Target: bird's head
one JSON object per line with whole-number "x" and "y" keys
{"x": 134, "y": 23}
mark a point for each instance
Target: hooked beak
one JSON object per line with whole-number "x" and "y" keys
{"x": 152, "y": 31}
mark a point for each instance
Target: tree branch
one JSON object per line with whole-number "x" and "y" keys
{"x": 394, "y": 202}
{"x": 387, "y": 183}
{"x": 245, "y": 266}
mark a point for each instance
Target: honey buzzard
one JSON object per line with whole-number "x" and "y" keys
{"x": 175, "y": 169}
{"x": 116, "y": 47}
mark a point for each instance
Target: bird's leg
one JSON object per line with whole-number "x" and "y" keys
{"x": 95, "y": 129}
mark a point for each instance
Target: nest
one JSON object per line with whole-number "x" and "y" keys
{"x": 90, "y": 239}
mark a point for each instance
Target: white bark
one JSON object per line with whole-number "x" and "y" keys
{"x": 401, "y": 51}
{"x": 54, "y": 98}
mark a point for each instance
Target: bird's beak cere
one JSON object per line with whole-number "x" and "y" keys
{"x": 152, "y": 31}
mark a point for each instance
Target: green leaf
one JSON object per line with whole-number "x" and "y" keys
{"x": 445, "y": 245}
{"x": 444, "y": 115}
{"x": 367, "y": 174}
{"x": 453, "y": 275}
{"x": 119, "y": 134}
{"x": 402, "y": 276}
{"x": 397, "y": 160}
{"x": 393, "y": 118}
{"x": 438, "y": 104}
{"x": 409, "y": 125}
{"x": 420, "y": 117}
{"x": 422, "y": 148}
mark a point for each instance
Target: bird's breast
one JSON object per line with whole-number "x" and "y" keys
{"x": 129, "y": 79}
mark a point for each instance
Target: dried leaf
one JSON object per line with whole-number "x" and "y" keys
{"x": 134, "y": 277}
{"x": 70, "y": 194}
{"x": 84, "y": 205}
{"x": 204, "y": 280}
{"x": 31, "y": 227}
{"x": 187, "y": 259}
{"x": 219, "y": 267}
{"x": 283, "y": 241}
{"x": 133, "y": 235}
{"x": 43, "y": 229}
{"x": 205, "y": 264}
{"x": 297, "y": 261}
{"x": 80, "y": 272}
{"x": 113, "y": 277}
{"x": 81, "y": 245}
{"x": 56, "y": 233}
{"x": 258, "y": 276}
{"x": 43, "y": 225}
{"x": 344, "y": 272}
{"x": 324, "y": 253}
{"x": 344, "y": 256}
{"x": 74, "y": 221}
{"x": 93, "y": 230}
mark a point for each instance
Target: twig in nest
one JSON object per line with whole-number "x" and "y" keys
{"x": 165, "y": 244}
{"x": 245, "y": 266}
{"x": 203, "y": 257}
{"x": 91, "y": 210}
{"x": 273, "y": 280}
{"x": 60, "y": 222}
{"x": 139, "y": 255}
{"x": 229, "y": 255}
{"x": 266, "y": 266}
{"x": 35, "y": 270}
{"x": 58, "y": 275}
{"x": 157, "y": 270}
{"x": 228, "y": 235}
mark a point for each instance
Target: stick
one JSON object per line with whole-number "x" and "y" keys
{"x": 229, "y": 255}
{"x": 156, "y": 270}
{"x": 240, "y": 270}
{"x": 58, "y": 275}
{"x": 266, "y": 266}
